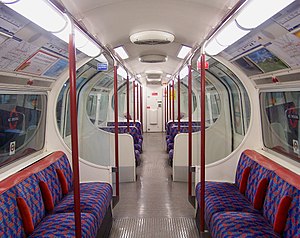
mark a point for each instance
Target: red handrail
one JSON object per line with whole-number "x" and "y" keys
{"x": 173, "y": 101}
{"x": 190, "y": 131}
{"x": 116, "y": 129}
{"x": 202, "y": 158}
{"x": 141, "y": 106}
{"x": 127, "y": 102}
{"x": 74, "y": 133}
{"x": 137, "y": 103}
{"x": 170, "y": 103}
{"x": 165, "y": 97}
{"x": 133, "y": 86}
{"x": 178, "y": 84}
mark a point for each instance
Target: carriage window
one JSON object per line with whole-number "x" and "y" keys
{"x": 22, "y": 125}
{"x": 280, "y": 120}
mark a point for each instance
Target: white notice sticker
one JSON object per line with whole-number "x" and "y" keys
{"x": 12, "y": 148}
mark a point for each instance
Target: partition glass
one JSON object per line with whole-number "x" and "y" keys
{"x": 93, "y": 99}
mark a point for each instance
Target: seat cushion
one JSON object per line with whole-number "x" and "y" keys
{"x": 63, "y": 225}
{"x": 11, "y": 222}
{"x": 94, "y": 198}
{"x": 220, "y": 197}
{"x": 279, "y": 188}
{"x": 240, "y": 224}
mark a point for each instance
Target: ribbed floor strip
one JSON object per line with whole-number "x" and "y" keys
{"x": 154, "y": 227}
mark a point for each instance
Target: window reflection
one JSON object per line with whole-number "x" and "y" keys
{"x": 22, "y": 125}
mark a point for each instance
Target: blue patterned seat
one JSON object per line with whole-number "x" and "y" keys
{"x": 220, "y": 197}
{"x": 95, "y": 201}
{"x": 94, "y": 198}
{"x": 279, "y": 188}
{"x": 11, "y": 222}
{"x": 63, "y": 225}
{"x": 133, "y": 131}
{"x": 229, "y": 213}
{"x": 174, "y": 131}
{"x": 240, "y": 224}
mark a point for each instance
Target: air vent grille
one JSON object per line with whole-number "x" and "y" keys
{"x": 153, "y": 58}
{"x": 152, "y": 38}
{"x": 152, "y": 42}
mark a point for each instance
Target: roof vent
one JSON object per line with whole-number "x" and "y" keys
{"x": 152, "y": 38}
{"x": 153, "y": 76}
{"x": 153, "y": 58}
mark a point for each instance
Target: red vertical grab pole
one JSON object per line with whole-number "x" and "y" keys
{"x": 141, "y": 106}
{"x": 170, "y": 103}
{"x": 202, "y": 163}
{"x": 190, "y": 131}
{"x": 137, "y": 103}
{"x": 167, "y": 118}
{"x": 178, "y": 106}
{"x": 173, "y": 101}
{"x": 133, "y": 83}
{"x": 74, "y": 133}
{"x": 165, "y": 94}
{"x": 116, "y": 128}
{"x": 127, "y": 101}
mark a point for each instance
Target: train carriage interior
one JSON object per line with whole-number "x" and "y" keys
{"x": 161, "y": 118}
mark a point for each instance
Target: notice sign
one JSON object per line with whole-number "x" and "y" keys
{"x": 102, "y": 66}
{"x": 206, "y": 66}
{"x": 154, "y": 94}
{"x": 38, "y": 63}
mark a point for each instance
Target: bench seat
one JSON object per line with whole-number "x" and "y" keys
{"x": 63, "y": 225}
{"x": 264, "y": 201}
{"x": 38, "y": 202}
{"x": 240, "y": 224}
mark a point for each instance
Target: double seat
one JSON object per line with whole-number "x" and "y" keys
{"x": 137, "y": 141}
{"x": 264, "y": 201}
{"x": 38, "y": 202}
{"x": 172, "y": 134}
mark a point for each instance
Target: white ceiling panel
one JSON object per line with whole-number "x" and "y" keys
{"x": 113, "y": 21}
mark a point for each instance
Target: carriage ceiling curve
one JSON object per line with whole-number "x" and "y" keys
{"x": 113, "y": 21}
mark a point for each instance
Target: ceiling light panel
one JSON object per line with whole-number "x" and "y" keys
{"x": 121, "y": 52}
{"x": 183, "y": 52}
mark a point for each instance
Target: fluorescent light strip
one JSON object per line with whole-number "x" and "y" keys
{"x": 122, "y": 72}
{"x": 82, "y": 41}
{"x": 121, "y": 52}
{"x": 59, "y": 24}
{"x": 230, "y": 34}
{"x": 256, "y": 12}
{"x": 184, "y": 51}
{"x": 184, "y": 72}
{"x": 40, "y": 12}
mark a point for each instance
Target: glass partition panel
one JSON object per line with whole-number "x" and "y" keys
{"x": 227, "y": 110}
{"x": 93, "y": 95}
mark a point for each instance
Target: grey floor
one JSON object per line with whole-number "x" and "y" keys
{"x": 154, "y": 206}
